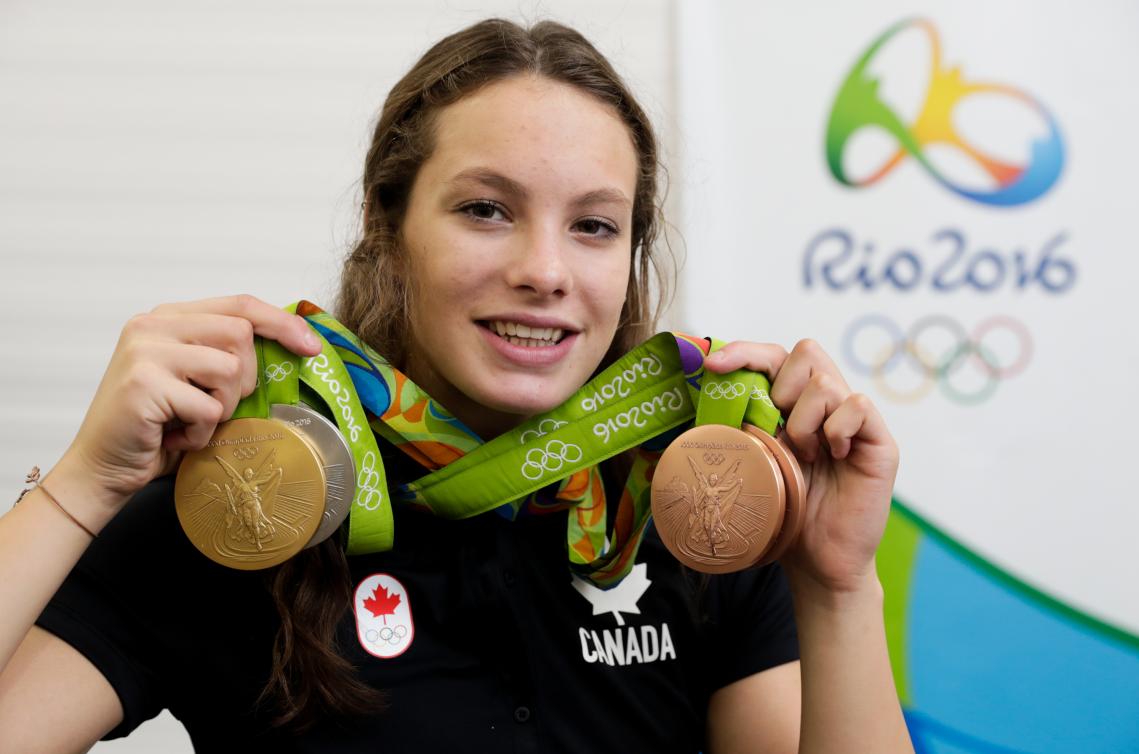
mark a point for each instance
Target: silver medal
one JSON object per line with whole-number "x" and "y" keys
{"x": 335, "y": 454}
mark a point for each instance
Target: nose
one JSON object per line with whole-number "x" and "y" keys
{"x": 540, "y": 264}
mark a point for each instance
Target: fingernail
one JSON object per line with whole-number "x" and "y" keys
{"x": 311, "y": 340}
{"x": 717, "y": 356}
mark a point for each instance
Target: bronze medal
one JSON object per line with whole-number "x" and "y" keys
{"x": 254, "y": 496}
{"x": 796, "y": 494}
{"x": 718, "y": 498}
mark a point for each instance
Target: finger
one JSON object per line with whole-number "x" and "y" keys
{"x": 231, "y": 334}
{"x": 198, "y": 411}
{"x": 222, "y": 374}
{"x": 857, "y": 419}
{"x": 821, "y": 397}
{"x": 268, "y": 321}
{"x": 758, "y": 357}
{"x": 806, "y": 360}
{"x": 216, "y": 372}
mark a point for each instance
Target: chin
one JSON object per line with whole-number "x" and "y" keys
{"x": 524, "y": 400}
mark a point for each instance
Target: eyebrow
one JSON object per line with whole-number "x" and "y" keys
{"x": 495, "y": 180}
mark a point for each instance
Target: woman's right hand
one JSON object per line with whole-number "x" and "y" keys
{"x": 176, "y": 373}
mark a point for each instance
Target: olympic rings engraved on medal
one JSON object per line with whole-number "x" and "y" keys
{"x": 938, "y": 364}
{"x": 618, "y": 387}
{"x": 369, "y": 496}
{"x": 724, "y": 390}
{"x": 245, "y": 453}
{"x": 277, "y": 372}
{"x": 713, "y": 459}
{"x": 635, "y": 416}
{"x": 545, "y": 427}
{"x": 552, "y": 458}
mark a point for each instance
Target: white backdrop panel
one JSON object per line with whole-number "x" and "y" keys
{"x": 1036, "y": 478}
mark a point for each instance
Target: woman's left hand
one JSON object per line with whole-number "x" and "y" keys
{"x": 848, "y": 457}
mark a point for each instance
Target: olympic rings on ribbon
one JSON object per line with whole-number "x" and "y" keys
{"x": 759, "y": 394}
{"x": 369, "y": 494}
{"x": 938, "y": 366}
{"x": 545, "y": 427}
{"x": 552, "y": 458}
{"x": 278, "y": 372}
{"x": 724, "y": 390}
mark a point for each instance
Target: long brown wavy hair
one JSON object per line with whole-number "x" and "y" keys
{"x": 309, "y": 678}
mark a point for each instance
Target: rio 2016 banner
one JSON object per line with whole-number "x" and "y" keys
{"x": 941, "y": 200}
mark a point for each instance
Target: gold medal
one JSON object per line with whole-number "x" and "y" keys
{"x": 254, "y": 496}
{"x": 720, "y": 499}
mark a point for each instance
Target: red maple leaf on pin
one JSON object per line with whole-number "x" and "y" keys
{"x": 381, "y": 607}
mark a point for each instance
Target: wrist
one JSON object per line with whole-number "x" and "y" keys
{"x": 863, "y": 592}
{"x": 81, "y": 490}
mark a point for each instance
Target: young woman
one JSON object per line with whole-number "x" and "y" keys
{"x": 510, "y": 216}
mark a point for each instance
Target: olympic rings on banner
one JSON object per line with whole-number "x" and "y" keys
{"x": 724, "y": 390}
{"x": 937, "y": 366}
{"x": 278, "y": 372}
{"x": 552, "y": 458}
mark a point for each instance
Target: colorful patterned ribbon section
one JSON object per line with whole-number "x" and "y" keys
{"x": 549, "y": 462}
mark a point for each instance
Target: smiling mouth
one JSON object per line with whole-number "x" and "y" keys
{"x": 518, "y": 334}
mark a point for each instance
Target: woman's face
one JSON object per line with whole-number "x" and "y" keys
{"x": 518, "y": 237}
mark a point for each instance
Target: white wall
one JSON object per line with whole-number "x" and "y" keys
{"x": 155, "y": 152}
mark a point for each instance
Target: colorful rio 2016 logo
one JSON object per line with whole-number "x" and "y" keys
{"x": 859, "y": 105}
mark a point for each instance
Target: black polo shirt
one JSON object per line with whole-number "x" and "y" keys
{"x": 475, "y": 629}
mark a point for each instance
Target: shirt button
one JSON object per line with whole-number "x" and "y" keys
{"x": 521, "y": 714}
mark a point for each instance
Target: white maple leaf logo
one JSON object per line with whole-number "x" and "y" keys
{"x": 621, "y": 598}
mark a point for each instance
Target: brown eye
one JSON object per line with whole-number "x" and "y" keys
{"x": 483, "y": 211}
{"x": 592, "y": 226}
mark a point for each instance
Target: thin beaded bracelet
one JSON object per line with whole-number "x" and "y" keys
{"x": 33, "y": 479}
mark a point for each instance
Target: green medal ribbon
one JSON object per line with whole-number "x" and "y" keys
{"x": 645, "y": 394}
{"x": 736, "y": 397}
{"x": 327, "y": 384}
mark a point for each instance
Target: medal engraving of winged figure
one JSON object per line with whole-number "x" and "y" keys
{"x": 707, "y": 515}
{"x": 247, "y": 495}
{"x": 714, "y": 496}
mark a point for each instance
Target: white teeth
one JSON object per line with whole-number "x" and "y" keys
{"x": 529, "y": 342}
{"x": 524, "y": 335}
